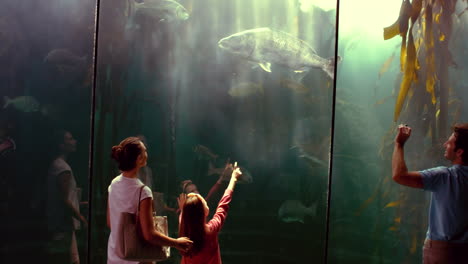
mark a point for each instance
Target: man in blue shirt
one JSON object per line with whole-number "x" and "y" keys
{"x": 447, "y": 234}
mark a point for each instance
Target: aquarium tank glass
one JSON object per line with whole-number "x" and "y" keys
{"x": 304, "y": 95}
{"x": 46, "y": 61}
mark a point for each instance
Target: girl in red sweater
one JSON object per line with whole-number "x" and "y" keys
{"x": 204, "y": 234}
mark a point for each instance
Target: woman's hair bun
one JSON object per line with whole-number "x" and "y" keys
{"x": 116, "y": 151}
{"x": 127, "y": 153}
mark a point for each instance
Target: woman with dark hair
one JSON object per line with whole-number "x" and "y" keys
{"x": 124, "y": 191}
{"x": 62, "y": 204}
{"x": 204, "y": 234}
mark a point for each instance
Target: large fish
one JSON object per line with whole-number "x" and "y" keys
{"x": 26, "y": 104}
{"x": 204, "y": 153}
{"x": 266, "y": 46}
{"x": 295, "y": 211}
{"x": 66, "y": 61}
{"x": 225, "y": 174}
{"x": 245, "y": 89}
{"x": 161, "y": 10}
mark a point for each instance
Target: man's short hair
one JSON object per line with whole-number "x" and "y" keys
{"x": 461, "y": 140}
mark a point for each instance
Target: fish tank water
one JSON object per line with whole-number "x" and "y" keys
{"x": 305, "y": 95}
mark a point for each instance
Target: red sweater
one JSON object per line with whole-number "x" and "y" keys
{"x": 210, "y": 253}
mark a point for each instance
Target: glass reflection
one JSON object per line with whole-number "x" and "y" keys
{"x": 45, "y": 73}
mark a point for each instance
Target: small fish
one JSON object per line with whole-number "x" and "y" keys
{"x": 66, "y": 61}
{"x": 245, "y": 89}
{"x": 398, "y": 220}
{"x": 204, "y": 153}
{"x": 161, "y": 10}
{"x": 225, "y": 173}
{"x": 313, "y": 160}
{"x": 393, "y": 228}
{"x": 392, "y": 204}
{"x": 26, "y": 104}
{"x": 294, "y": 86}
{"x": 383, "y": 100}
{"x": 266, "y": 46}
{"x": 294, "y": 211}
{"x": 353, "y": 42}
{"x": 303, "y": 151}
{"x": 462, "y": 12}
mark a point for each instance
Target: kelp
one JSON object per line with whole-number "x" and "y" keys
{"x": 430, "y": 56}
{"x": 420, "y": 45}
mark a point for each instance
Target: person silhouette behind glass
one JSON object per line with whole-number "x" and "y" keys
{"x": 62, "y": 205}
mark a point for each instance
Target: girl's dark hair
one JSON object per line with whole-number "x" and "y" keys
{"x": 461, "y": 140}
{"x": 127, "y": 152}
{"x": 192, "y": 224}
{"x": 58, "y": 139}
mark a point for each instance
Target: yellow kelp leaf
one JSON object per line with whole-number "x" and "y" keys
{"x": 408, "y": 76}
{"x": 430, "y": 88}
{"x": 423, "y": 24}
{"x": 410, "y": 94}
{"x": 437, "y": 18}
{"x": 437, "y": 113}
{"x": 441, "y": 37}
{"x": 386, "y": 65}
{"x": 403, "y": 54}
{"x": 404, "y": 88}
{"x": 418, "y": 42}
{"x": 415, "y": 71}
{"x": 413, "y": 244}
{"x": 400, "y": 27}
{"x": 429, "y": 132}
{"x": 387, "y": 192}
{"x": 391, "y": 31}
{"x": 393, "y": 204}
{"x": 366, "y": 203}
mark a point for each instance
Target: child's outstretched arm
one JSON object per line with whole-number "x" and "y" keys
{"x": 215, "y": 224}
{"x": 215, "y": 192}
{"x": 236, "y": 173}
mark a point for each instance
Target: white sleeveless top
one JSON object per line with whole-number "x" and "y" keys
{"x": 123, "y": 197}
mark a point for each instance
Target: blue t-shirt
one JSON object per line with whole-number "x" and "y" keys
{"x": 448, "y": 212}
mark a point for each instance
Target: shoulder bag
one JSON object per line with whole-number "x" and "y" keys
{"x": 130, "y": 242}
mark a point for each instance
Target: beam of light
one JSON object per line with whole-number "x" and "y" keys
{"x": 326, "y": 5}
{"x": 368, "y": 16}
